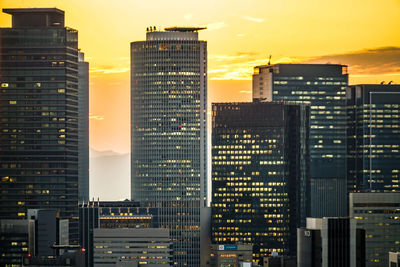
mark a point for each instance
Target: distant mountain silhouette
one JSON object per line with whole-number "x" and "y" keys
{"x": 109, "y": 175}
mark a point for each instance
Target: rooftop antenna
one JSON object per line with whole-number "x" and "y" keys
{"x": 269, "y": 60}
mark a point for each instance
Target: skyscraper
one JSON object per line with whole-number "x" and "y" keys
{"x": 324, "y": 87}
{"x": 83, "y": 127}
{"x": 373, "y": 138}
{"x": 39, "y": 115}
{"x": 260, "y": 178}
{"x": 168, "y": 112}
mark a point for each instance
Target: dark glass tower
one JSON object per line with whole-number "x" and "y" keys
{"x": 39, "y": 115}
{"x": 168, "y": 111}
{"x": 260, "y": 176}
{"x": 83, "y": 127}
{"x": 323, "y": 86}
{"x": 373, "y": 138}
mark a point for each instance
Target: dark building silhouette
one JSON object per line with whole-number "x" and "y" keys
{"x": 39, "y": 115}
{"x": 323, "y": 86}
{"x": 83, "y": 128}
{"x": 168, "y": 131}
{"x": 34, "y": 237}
{"x": 14, "y": 241}
{"x": 260, "y": 178}
{"x": 331, "y": 242}
{"x": 373, "y": 138}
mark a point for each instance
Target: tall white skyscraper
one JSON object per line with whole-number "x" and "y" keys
{"x": 168, "y": 127}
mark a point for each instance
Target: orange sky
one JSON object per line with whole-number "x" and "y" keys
{"x": 240, "y": 35}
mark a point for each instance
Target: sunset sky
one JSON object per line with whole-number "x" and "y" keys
{"x": 365, "y": 34}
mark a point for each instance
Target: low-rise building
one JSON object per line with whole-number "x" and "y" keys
{"x": 330, "y": 241}
{"x": 231, "y": 255}
{"x": 148, "y": 246}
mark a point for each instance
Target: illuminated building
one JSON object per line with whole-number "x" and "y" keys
{"x": 331, "y": 242}
{"x": 323, "y": 86}
{"x": 111, "y": 215}
{"x": 260, "y": 178}
{"x": 39, "y": 115}
{"x": 32, "y": 237}
{"x": 231, "y": 255}
{"x": 169, "y": 148}
{"x": 14, "y": 241}
{"x": 140, "y": 246}
{"x": 379, "y": 215}
{"x": 373, "y": 138}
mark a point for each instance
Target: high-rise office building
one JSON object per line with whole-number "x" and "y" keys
{"x": 379, "y": 215}
{"x": 260, "y": 178}
{"x": 39, "y": 115}
{"x": 168, "y": 112}
{"x": 331, "y": 242}
{"x": 324, "y": 87}
{"x": 373, "y": 138}
{"x": 83, "y": 128}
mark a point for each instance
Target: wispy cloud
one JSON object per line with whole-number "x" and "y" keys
{"x": 96, "y": 117}
{"x": 253, "y": 19}
{"x": 215, "y": 26}
{"x": 364, "y": 63}
{"x": 108, "y": 70}
{"x": 245, "y": 92}
{"x": 382, "y": 60}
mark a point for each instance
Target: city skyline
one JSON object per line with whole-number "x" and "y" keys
{"x": 239, "y": 36}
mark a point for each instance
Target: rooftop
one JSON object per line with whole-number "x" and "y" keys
{"x": 184, "y": 29}
{"x": 14, "y": 11}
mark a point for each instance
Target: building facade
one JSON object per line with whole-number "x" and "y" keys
{"x": 260, "y": 178}
{"x": 150, "y": 247}
{"x": 394, "y": 259}
{"x": 379, "y": 215}
{"x": 111, "y": 215}
{"x": 15, "y": 241}
{"x": 231, "y": 255}
{"x": 39, "y": 115}
{"x": 327, "y": 242}
{"x": 323, "y": 86}
{"x": 83, "y": 128}
{"x": 373, "y": 138}
{"x": 169, "y": 148}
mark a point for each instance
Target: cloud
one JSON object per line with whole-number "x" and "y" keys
{"x": 96, "y": 117}
{"x": 245, "y": 92}
{"x": 240, "y": 35}
{"x": 215, "y": 26}
{"x": 364, "y": 63}
{"x": 108, "y": 70}
{"x": 376, "y": 61}
{"x": 258, "y": 20}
